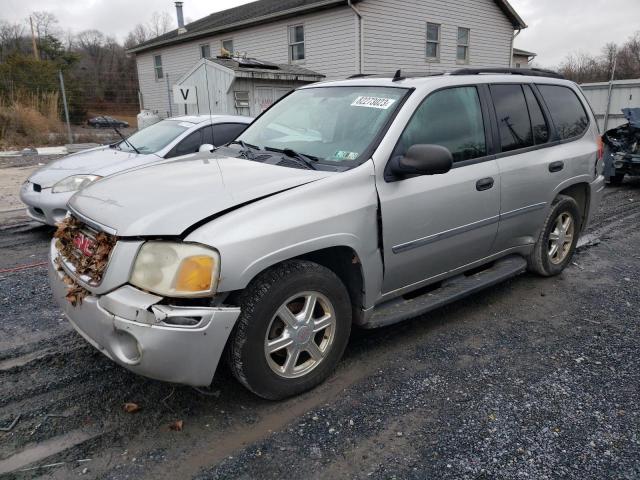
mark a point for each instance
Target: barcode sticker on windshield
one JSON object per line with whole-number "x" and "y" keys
{"x": 373, "y": 102}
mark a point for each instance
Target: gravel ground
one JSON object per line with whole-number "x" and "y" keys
{"x": 534, "y": 378}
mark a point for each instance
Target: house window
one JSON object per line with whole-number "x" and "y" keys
{"x": 157, "y": 66}
{"x": 296, "y": 43}
{"x": 205, "y": 51}
{"x": 433, "y": 41}
{"x": 228, "y": 45}
{"x": 462, "y": 52}
{"x": 242, "y": 99}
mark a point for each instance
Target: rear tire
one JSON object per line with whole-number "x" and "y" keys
{"x": 558, "y": 238}
{"x": 293, "y": 328}
{"x": 616, "y": 179}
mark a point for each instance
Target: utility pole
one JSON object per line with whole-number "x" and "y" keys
{"x": 33, "y": 40}
{"x": 66, "y": 109}
{"x": 613, "y": 73}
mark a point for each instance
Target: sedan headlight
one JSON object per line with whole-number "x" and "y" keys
{"x": 73, "y": 183}
{"x": 174, "y": 269}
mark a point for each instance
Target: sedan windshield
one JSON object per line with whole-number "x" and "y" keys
{"x": 330, "y": 124}
{"x": 155, "y": 137}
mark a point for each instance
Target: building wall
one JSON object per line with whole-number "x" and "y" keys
{"x": 395, "y": 34}
{"x": 520, "y": 61}
{"x": 330, "y": 46}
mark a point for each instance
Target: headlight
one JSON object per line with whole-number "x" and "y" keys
{"x": 73, "y": 183}
{"x": 176, "y": 269}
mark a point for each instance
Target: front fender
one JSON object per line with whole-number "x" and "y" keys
{"x": 337, "y": 211}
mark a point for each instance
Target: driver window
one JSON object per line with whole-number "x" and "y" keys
{"x": 191, "y": 144}
{"x": 451, "y": 118}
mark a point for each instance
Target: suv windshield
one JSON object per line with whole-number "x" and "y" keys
{"x": 155, "y": 137}
{"x": 332, "y": 124}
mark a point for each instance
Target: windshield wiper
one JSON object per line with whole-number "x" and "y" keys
{"x": 247, "y": 149}
{"x": 307, "y": 160}
{"x": 121, "y": 135}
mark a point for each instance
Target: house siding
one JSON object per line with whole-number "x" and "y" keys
{"x": 330, "y": 49}
{"x": 395, "y": 34}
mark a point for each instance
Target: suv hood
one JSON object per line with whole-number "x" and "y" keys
{"x": 101, "y": 161}
{"x": 168, "y": 198}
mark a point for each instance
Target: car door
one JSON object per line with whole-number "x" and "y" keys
{"x": 532, "y": 161}
{"x": 525, "y": 177}
{"x": 434, "y": 224}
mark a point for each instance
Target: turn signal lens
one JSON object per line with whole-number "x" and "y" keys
{"x": 176, "y": 269}
{"x": 195, "y": 274}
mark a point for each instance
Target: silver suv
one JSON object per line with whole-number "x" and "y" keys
{"x": 359, "y": 202}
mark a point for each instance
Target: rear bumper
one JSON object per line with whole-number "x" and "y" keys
{"x": 44, "y": 206}
{"x": 127, "y": 325}
{"x": 596, "y": 190}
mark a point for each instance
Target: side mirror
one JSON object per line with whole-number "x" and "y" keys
{"x": 206, "y": 147}
{"x": 422, "y": 160}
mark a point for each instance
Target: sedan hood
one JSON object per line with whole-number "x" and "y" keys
{"x": 101, "y": 161}
{"x": 168, "y": 198}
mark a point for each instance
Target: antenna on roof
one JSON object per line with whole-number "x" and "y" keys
{"x": 398, "y": 76}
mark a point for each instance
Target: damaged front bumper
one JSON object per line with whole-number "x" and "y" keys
{"x": 169, "y": 343}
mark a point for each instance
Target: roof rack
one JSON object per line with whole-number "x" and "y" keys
{"x": 533, "y": 72}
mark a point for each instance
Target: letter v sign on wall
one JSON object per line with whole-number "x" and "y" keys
{"x": 185, "y": 95}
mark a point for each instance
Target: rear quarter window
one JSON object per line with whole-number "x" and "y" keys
{"x": 567, "y": 112}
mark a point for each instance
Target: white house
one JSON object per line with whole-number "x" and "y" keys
{"x": 522, "y": 58}
{"x": 336, "y": 38}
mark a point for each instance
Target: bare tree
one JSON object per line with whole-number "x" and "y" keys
{"x": 159, "y": 24}
{"x": 11, "y": 38}
{"x": 44, "y": 23}
{"x": 136, "y": 36}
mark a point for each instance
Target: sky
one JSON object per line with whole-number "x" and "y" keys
{"x": 556, "y": 27}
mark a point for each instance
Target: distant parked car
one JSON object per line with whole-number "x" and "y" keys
{"x": 47, "y": 191}
{"x": 104, "y": 121}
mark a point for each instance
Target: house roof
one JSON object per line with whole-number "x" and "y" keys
{"x": 524, "y": 53}
{"x": 265, "y": 11}
{"x": 251, "y": 67}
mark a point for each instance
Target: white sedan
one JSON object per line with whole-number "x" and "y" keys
{"x": 47, "y": 190}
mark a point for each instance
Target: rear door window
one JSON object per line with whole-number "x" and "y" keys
{"x": 538, "y": 122}
{"x": 567, "y": 112}
{"x": 191, "y": 144}
{"x": 451, "y": 118}
{"x": 223, "y": 133}
{"x": 512, "y": 115}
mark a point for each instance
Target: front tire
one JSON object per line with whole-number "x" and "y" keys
{"x": 293, "y": 328}
{"x": 558, "y": 238}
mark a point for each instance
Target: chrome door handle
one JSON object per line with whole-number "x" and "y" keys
{"x": 484, "y": 184}
{"x": 556, "y": 166}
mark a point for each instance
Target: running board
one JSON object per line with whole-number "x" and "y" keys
{"x": 452, "y": 289}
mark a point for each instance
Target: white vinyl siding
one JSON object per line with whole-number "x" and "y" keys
{"x": 395, "y": 34}
{"x": 330, "y": 49}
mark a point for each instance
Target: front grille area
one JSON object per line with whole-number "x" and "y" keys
{"x": 37, "y": 187}
{"x": 84, "y": 251}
